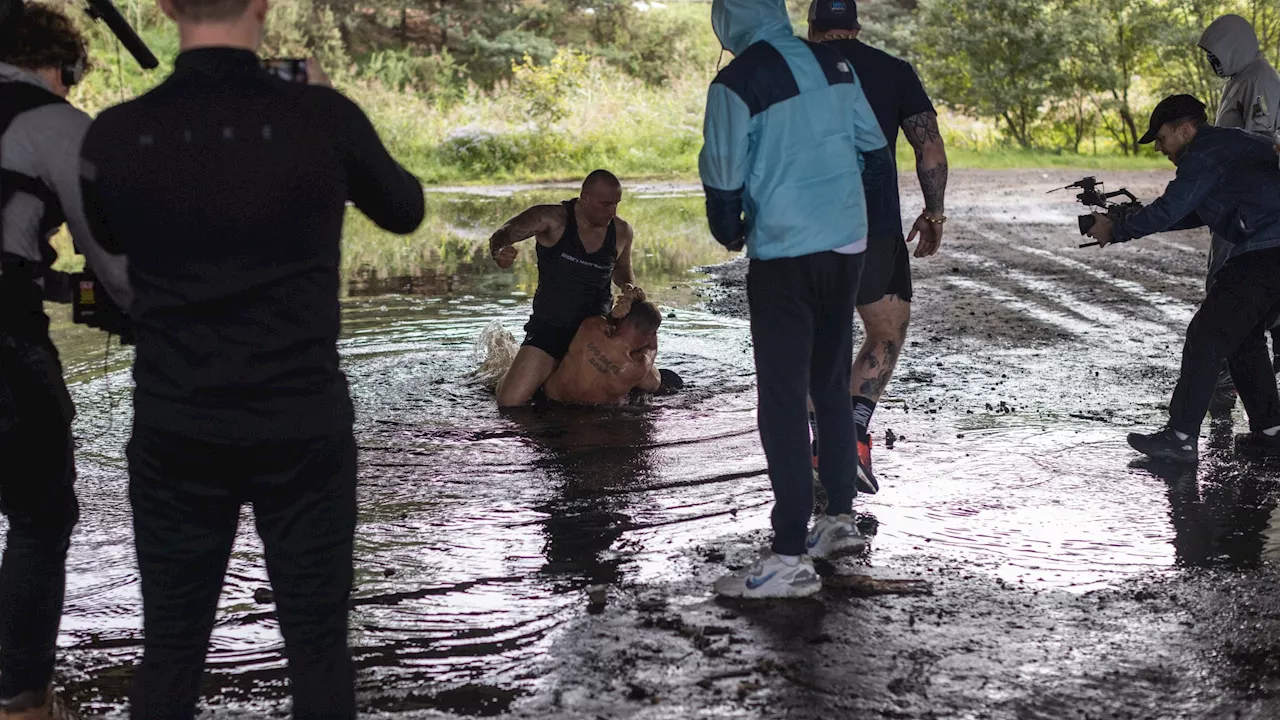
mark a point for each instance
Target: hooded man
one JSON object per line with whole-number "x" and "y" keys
{"x": 788, "y": 132}
{"x": 1253, "y": 86}
{"x": 1248, "y": 102}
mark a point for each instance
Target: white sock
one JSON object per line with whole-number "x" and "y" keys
{"x": 1271, "y": 431}
{"x": 1181, "y": 435}
{"x": 789, "y": 560}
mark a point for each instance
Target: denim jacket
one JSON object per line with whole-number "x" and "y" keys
{"x": 1228, "y": 180}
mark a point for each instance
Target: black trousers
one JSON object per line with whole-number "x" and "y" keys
{"x": 186, "y": 496}
{"x": 802, "y": 328}
{"x": 1231, "y": 325}
{"x": 37, "y": 497}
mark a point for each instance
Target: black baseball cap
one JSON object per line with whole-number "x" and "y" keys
{"x": 835, "y": 13}
{"x": 1174, "y": 107}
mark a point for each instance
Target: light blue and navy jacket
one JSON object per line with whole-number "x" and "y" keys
{"x": 789, "y": 140}
{"x": 1228, "y": 180}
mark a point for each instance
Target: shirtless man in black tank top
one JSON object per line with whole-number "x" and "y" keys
{"x": 582, "y": 246}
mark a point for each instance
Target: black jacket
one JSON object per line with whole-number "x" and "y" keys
{"x": 226, "y": 188}
{"x": 1228, "y": 180}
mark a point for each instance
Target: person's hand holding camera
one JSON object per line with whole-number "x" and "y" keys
{"x": 1101, "y": 230}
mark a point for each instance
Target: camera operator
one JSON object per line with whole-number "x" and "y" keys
{"x": 1227, "y": 179}
{"x": 226, "y": 186}
{"x": 41, "y": 56}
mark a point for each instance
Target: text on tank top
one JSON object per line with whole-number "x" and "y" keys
{"x": 572, "y": 283}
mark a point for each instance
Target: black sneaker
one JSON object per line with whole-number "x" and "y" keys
{"x": 1258, "y": 442}
{"x": 1165, "y": 445}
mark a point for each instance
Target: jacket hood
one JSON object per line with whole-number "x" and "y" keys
{"x": 1232, "y": 40}
{"x": 741, "y": 23}
{"x": 12, "y": 73}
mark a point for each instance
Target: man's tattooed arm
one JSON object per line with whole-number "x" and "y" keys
{"x": 922, "y": 133}
{"x": 534, "y": 221}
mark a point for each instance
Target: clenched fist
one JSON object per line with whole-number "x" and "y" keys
{"x": 505, "y": 257}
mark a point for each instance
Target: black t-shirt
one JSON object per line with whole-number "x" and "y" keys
{"x": 895, "y": 93}
{"x": 226, "y": 188}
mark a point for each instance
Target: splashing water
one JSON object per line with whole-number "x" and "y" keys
{"x": 494, "y": 353}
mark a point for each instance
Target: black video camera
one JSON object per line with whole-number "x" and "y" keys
{"x": 1092, "y": 195}
{"x": 92, "y": 305}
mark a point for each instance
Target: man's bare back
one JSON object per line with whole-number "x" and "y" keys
{"x": 606, "y": 361}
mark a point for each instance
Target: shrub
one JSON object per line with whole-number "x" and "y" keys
{"x": 547, "y": 89}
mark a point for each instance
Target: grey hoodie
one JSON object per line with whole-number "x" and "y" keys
{"x": 44, "y": 143}
{"x": 1252, "y": 93}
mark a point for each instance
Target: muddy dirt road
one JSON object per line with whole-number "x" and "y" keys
{"x": 555, "y": 564}
{"x": 1068, "y": 578}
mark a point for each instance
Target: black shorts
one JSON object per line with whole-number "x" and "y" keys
{"x": 548, "y": 338}
{"x": 886, "y": 270}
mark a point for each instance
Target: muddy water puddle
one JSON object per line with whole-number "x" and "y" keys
{"x": 484, "y": 533}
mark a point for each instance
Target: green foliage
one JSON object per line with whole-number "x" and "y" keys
{"x": 492, "y": 59}
{"x": 492, "y": 91}
{"x": 647, "y": 45}
{"x": 1055, "y": 74}
{"x": 438, "y": 77}
{"x": 548, "y": 89}
{"x": 302, "y": 28}
{"x": 994, "y": 58}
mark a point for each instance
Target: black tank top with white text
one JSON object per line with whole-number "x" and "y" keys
{"x": 572, "y": 283}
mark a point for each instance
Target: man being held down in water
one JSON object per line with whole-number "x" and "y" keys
{"x": 611, "y": 356}
{"x": 608, "y": 359}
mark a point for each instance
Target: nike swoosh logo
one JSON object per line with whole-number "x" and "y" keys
{"x": 812, "y": 542}
{"x": 755, "y": 583}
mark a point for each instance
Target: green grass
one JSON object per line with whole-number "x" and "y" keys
{"x": 1008, "y": 159}
{"x": 611, "y": 120}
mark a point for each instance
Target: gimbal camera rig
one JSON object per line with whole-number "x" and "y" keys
{"x": 1092, "y": 195}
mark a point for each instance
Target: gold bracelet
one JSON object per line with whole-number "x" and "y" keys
{"x": 936, "y": 220}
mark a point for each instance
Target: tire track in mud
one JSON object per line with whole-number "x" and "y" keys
{"x": 1175, "y": 309}
{"x": 1059, "y": 293}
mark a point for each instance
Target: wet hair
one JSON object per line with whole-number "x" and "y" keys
{"x": 43, "y": 37}
{"x": 209, "y": 10}
{"x": 644, "y": 317}
{"x": 599, "y": 177}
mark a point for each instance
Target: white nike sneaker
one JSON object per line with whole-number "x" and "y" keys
{"x": 834, "y": 536}
{"x": 770, "y": 577}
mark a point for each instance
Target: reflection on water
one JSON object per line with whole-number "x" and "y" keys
{"x": 480, "y": 531}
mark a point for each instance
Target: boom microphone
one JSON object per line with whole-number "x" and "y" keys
{"x": 105, "y": 11}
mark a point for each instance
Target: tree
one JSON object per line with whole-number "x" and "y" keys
{"x": 999, "y": 59}
{"x": 1113, "y": 42}
{"x": 1181, "y": 66}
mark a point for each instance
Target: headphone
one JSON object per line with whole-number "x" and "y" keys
{"x": 73, "y": 74}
